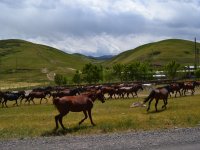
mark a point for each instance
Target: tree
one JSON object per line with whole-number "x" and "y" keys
{"x": 197, "y": 73}
{"x": 118, "y": 71}
{"x": 171, "y": 69}
{"x": 107, "y": 75}
{"x": 92, "y": 73}
{"x": 60, "y": 79}
{"x": 77, "y": 77}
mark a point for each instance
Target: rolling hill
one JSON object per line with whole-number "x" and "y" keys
{"x": 159, "y": 53}
{"x": 25, "y": 61}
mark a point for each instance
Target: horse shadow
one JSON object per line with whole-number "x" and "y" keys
{"x": 159, "y": 110}
{"x": 61, "y": 132}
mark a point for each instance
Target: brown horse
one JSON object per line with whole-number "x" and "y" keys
{"x": 78, "y": 103}
{"x": 176, "y": 87}
{"x": 189, "y": 86}
{"x": 159, "y": 93}
{"x": 38, "y": 94}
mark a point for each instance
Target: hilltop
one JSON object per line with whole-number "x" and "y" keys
{"x": 159, "y": 53}
{"x": 25, "y": 61}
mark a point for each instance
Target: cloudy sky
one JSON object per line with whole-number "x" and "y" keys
{"x": 99, "y": 27}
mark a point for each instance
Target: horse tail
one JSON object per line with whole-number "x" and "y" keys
{"x": 150, "y": 96}
{"x": 56, "y": 101}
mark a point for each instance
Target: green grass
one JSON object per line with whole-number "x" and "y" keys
{"x": 21, "y": 60}
{"x": 112, "y": 116}
{"x": 162, "y": 52}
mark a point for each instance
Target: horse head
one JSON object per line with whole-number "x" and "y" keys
{"x": 100, "y": 96}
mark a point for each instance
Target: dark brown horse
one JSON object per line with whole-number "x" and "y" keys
{"x": 189, "y": 86}
{"x": 66, "y": 92}
{"x": 176, "y": 87}
{"x": 78, "y": 103}
{"x": 38, "y": 94}
{"x": 159, "y": 93}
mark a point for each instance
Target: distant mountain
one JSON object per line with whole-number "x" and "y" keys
{"x": 104, "y": 57}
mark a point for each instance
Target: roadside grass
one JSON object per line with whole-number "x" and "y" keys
{"x": 112, "y": 116}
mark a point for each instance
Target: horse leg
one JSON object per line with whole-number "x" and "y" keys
{"x": 16, "y": 102}
{"x": 56, "y": 121}
{"x": 156, "y": 105}
{"x": 180, "y": 92}
{"x": 85, "y": 113}
{"x": 90, "y": 116}
{"x": 46, "y": 99}
{"x": 5, "y": 102}
{"x": 32, "y": 101}
{"x": 2, "y": 103}
{"x": 165, "y": 103}
{"x": 192, "y": 92}
{"x": 60, "y": 120}
{"x": 136, "y": 94}
{"x": 40, "y": 100}
{"x": 21, "y": 101}
{"x": 149, "y": 104}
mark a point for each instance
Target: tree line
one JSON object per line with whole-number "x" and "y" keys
{"x": 136, "y": 71}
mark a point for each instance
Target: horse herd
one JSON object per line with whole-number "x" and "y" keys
{"x": 113, "y": 91}
{"x": 81, "y": 99}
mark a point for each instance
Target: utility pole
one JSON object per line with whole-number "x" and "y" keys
{"x": 195, "y": 53}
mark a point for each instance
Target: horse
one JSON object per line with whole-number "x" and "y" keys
{"x": 176, "y": 87}
{"x": 158, "y": 93}
{"x": 189, "y": 86}
{"x": 135, "y": 89}
{"x": 77, "y": 103}
{"x": 110, "y": 91}
{"x": 67, "y": 92}
{"x": 12, "y": 96}
{"x": 129, "y": 90}
{"x": 37, "y": 94}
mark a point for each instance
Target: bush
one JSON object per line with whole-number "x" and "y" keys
{"x": 60, "y": 79}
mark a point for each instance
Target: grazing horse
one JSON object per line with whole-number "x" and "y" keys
{"x": 37, "y": 94}
{"x": 11, "y": 96}
{"x": 158, "y": 93}
{"x": 78, "y": 103}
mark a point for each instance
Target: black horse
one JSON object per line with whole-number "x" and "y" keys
{"x": 12, "y": 97}
{"x": 159, "y": 93}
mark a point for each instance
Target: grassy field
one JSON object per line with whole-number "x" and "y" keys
{"x": 112, "y": 116}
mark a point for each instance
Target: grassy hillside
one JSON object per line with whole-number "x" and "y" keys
{"x": 182, "y": 51}
{"x": 25, "y": 61}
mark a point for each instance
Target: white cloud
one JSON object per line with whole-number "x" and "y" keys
{"x": 98, "y": 27}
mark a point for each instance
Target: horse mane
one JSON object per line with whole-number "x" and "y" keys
{"x": 56, "y": 101}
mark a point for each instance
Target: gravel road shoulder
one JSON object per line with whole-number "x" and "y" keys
{"x": 188, "y": 138}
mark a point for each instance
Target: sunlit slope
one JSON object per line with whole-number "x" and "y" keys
{"x": 162, "y": 52}
{"x": 22, "y": 60}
